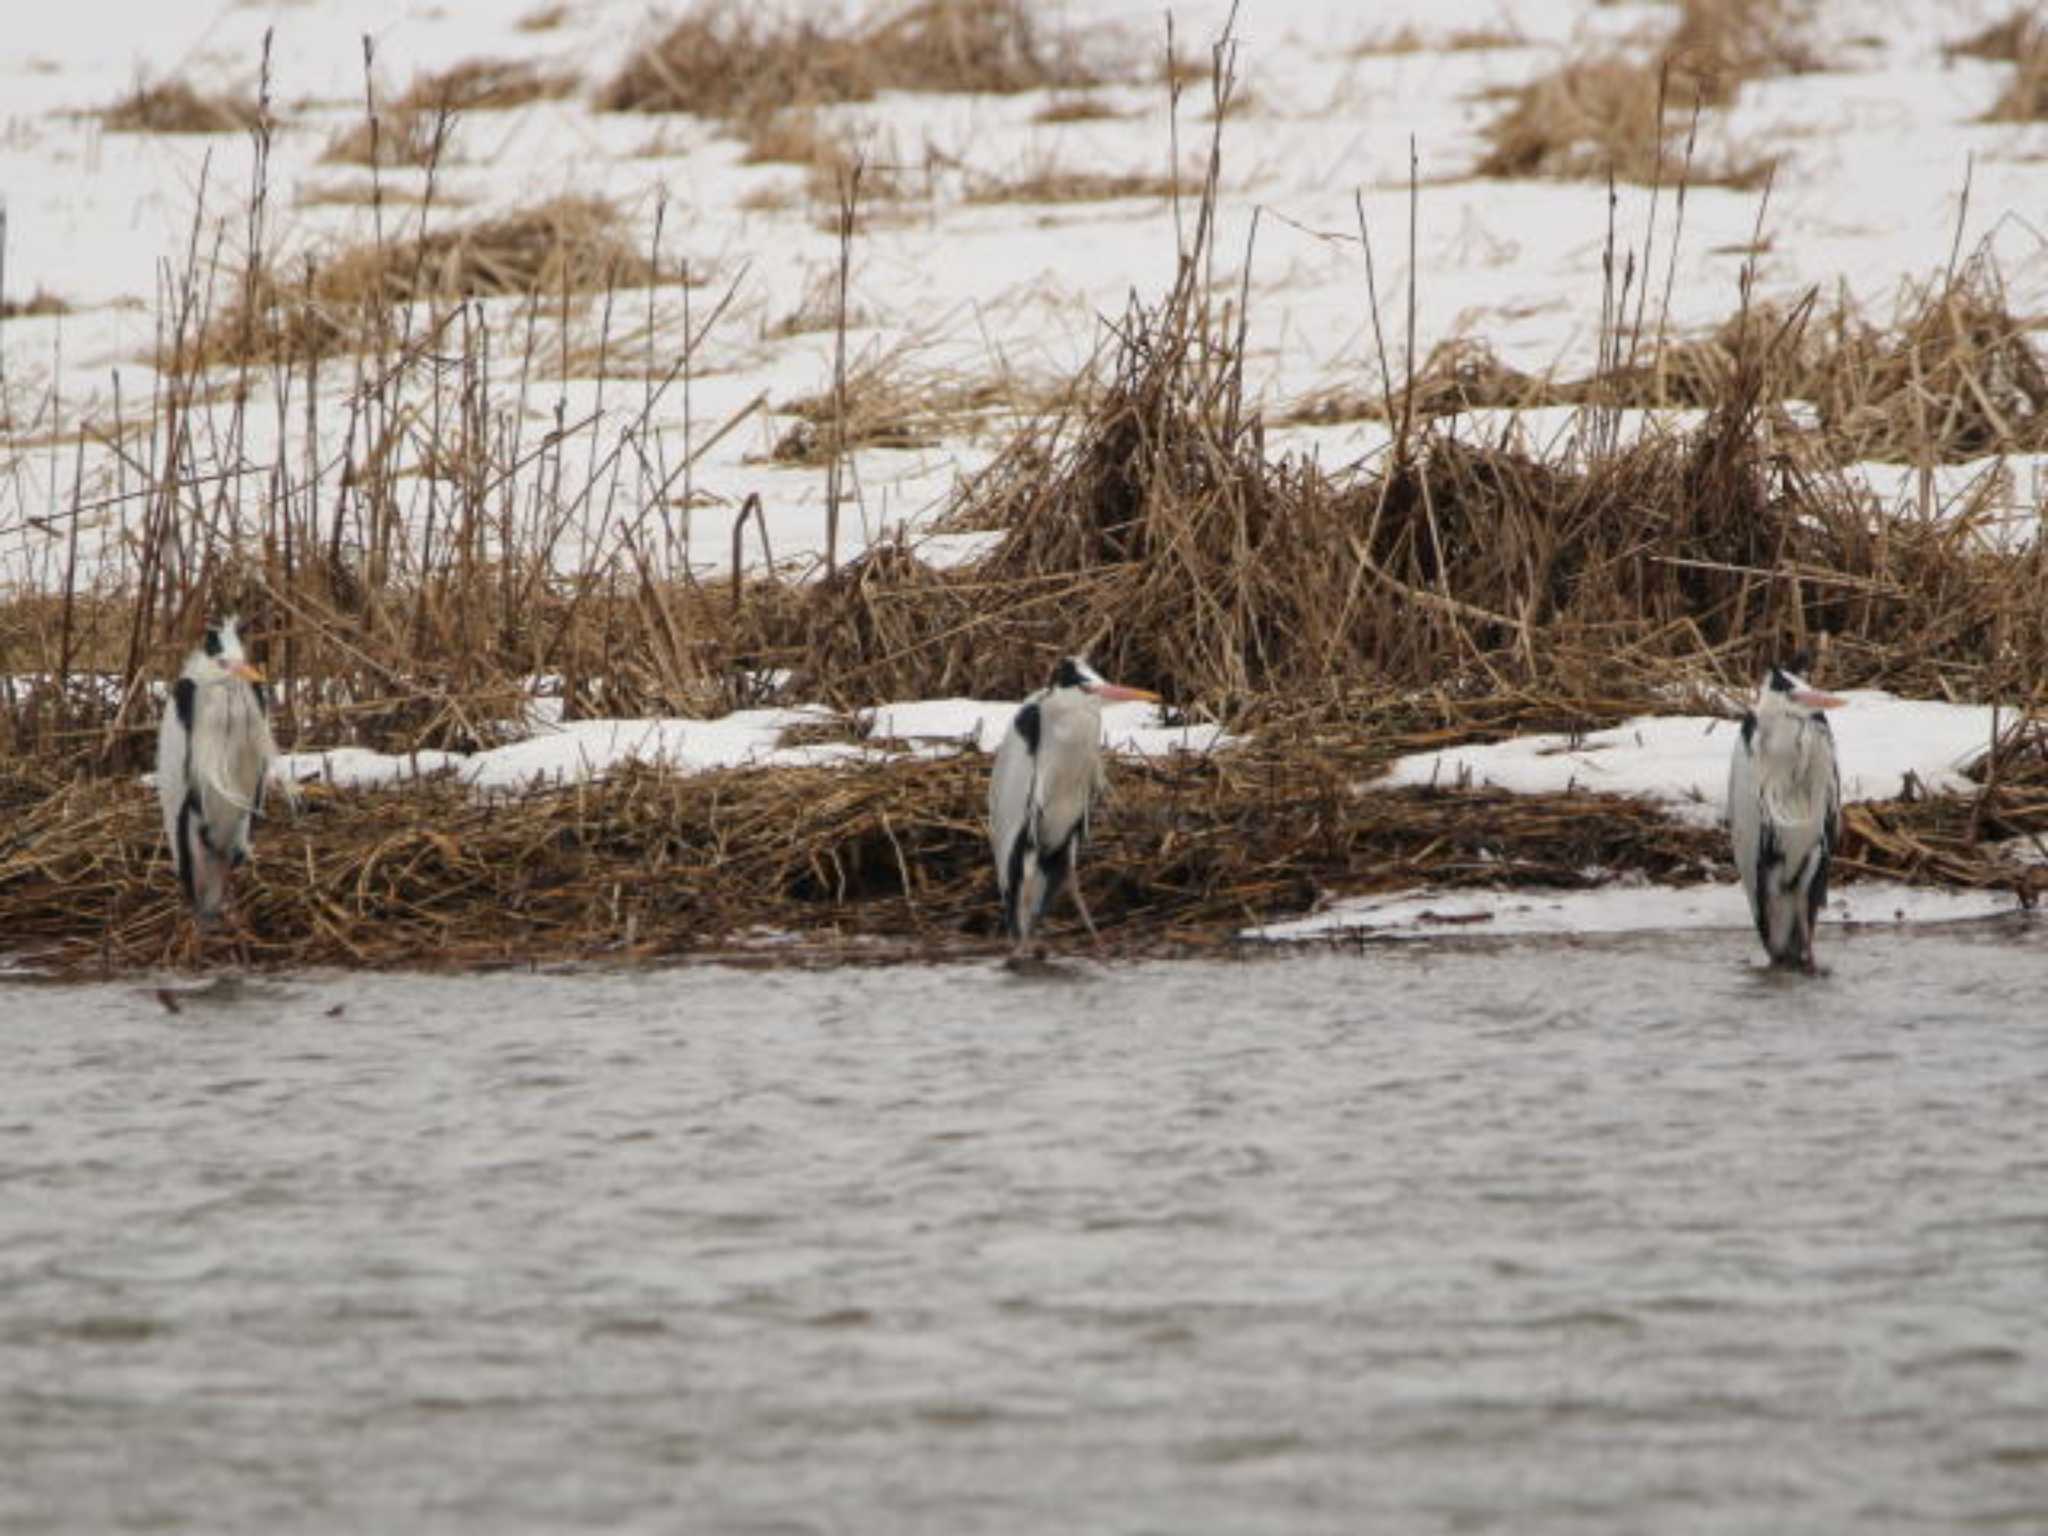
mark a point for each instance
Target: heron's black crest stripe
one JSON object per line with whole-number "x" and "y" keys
{"x": 212, "y": 641}
{"x": 1028, "y": 723}
{"x": 184, "y": 694}
{"x": 1068, "y": 674}
{"x": 1780, "y": 682}
{"x": 1749, "y": 730}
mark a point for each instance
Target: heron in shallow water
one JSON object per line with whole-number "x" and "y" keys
{"x": 1785, "y": 811}
{"x": 1048, "y": 773}
{"x": 213, "y": 751}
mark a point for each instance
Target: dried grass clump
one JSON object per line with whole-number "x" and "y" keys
{"x": 1601, "y": 116}
{"x": 546, "y": 18}
{"x": 479, "y": 85}
{"x": 890, "y": 404}
{"x": 1463, "y": 374}
{"x": 836, "y": 162}
{"x": 1616, "y": 114}
{"x": 1076, "y": 108}
{"x": 172, "y": 106}
{"x": 996, "y": 46}
{"x": 394, "y": 137}
{"x": 1049, "y": 182}
{"x": 725, "y": 60}
{"x": 1406, "y": 39}
{"x": 41, "y": 302}
{"x": 569, "y": 244}
{"x": 1718, "y": 44}
{"x": 2025, "y": 97}
{"x": 1957, "y": 375}
{"x": 2003, "y": 42}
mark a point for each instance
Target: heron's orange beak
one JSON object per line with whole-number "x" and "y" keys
{"x": 1117, "y": 693}
{"x": 1813, "y": 698}
{"x": 247, "y": 671}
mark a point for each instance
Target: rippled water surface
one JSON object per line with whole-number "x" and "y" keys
{"x": 1620, "y": 1236}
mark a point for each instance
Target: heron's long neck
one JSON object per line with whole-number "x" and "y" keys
{"x": 1795, "y": 761}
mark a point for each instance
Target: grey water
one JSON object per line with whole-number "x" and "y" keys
{"x": 1614, "y": 1236}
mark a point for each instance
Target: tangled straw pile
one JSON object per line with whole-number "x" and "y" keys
{"x": 884, "y": 861}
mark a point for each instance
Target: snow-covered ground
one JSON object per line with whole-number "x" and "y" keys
{"x": 1886, "y": 746}
{"x": 582, "y": 750}
{"x": 1624, "y": 906}
{"x": 1869, "y": 193}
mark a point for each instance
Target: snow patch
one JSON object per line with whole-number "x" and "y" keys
{"x": 1681, "y": 761}
{"x": 1623, "y": 907}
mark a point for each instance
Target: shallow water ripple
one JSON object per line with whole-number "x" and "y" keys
{"x": 1555, "y": 1238}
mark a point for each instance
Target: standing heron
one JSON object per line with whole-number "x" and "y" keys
{"x": 212, "y": 753}
{"x": 1048, "y": 772}
{"x": 1785, "y": 812}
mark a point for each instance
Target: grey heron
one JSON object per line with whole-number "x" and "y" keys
{"x": 1785, "y": 811}
{"x": 213, "y": 751}
{"x": 1048, "y": 773}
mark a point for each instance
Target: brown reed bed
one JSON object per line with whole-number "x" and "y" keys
{"x": 1954, "y": 374}
{"x": 646, "y": 865}
{"x": 439, "y": 554}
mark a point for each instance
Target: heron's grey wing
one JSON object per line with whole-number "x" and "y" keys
{"x": 1830, "y": 828}
{"x": 230, "y": 754}
{"x": 1069, "y": 770}
{"x": 1834, "y": 791}
{"x": 1747, "y": 824}
{"x": 1010, "y": 791}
